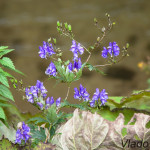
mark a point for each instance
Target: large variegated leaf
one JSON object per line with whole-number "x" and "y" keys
{"x": 87, "y": 131}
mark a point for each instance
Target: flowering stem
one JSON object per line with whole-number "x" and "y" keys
{"x": 48, "y": 134}
{"x": 102, "y": 65}
{"x": 68, "y": 91}
{"x": 88, "y": 58}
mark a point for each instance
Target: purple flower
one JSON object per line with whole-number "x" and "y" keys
{"x": 96, "y": 95}
{"x": 77, "y": 65}
{"x": 81, "y": 94}
{"x": 112, "y": 49}
{"x": 70, "y": 67}
{"x": 58, "y": 101}
{"x": 100, "y": 95}
{"x": 34, "y": 91}
{"x": 92, "y": 103}
{"x": 40, "y": 105}
{"x": 103, "y": 97}
{"x": 104, "y": 52}
{"x": 49, "y": 102}
{"x": 51, "y": 70}
{"x": 76, "y": 49}
{"x": 47, "y": 49}
{"x": 22, "y": 133}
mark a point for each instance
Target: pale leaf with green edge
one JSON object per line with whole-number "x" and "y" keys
{"x": 4, "y": 91}
{"x": 4, "y": 80}
{"x": 9, "y": 133}
{"x": 2, "y": 113}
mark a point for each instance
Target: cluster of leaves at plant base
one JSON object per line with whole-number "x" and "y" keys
{"x": 91, "y": 131}
{"x": 5, "y": 94}
{"x": 63, "y": 74}
{"x": 51, "y": 120}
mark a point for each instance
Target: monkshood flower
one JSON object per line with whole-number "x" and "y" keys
{"x": 40, "y": 105}
{"x": 112, "y": 49}
{"x": 34, "y": 92}
{"x": 82, "y": 93}
{"x": 58, "y": 101}
{"x": 51, "y": 70}
{"x": 76, "y": 49}
{"x": 47, "y": 49}
{"x": 99, "y": 95}
{"x": 22, "y": 133}
{"x": 51, "y": 101}
{"x": 76, "y": 66}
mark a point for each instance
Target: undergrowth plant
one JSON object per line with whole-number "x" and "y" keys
{"x": 95, "y": 125}
{"x": 5, "y": 94}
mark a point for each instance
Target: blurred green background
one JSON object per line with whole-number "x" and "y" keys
{"x": 25, "y": 24}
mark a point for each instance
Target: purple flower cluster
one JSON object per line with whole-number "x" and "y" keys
{"x": 51, "y": 70}
{"x": 51, "y": 101}
{"x": 46, "y": 50}
{"x": 76, "y": 49}
{"x": 22, "y": 133}
{"x": 34, "y": 92}
{"x": 99, "y": 95}
{"x": 112, "y": 49}
{"x": 82, "y": 93}
{"x": 75, "y": 66}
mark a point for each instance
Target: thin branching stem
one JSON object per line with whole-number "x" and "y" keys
{"x": 68, "y": 91}
{"x": 102, "y": 65}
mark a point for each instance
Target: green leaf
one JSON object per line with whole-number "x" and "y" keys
{"x": 66, "y": 25}
{"x": 5, "y": 73}
{"x": 3, "y": 98}
{"x": 54, "y": 39}
{"x": 69, "y": 27}
{"x": 2, "y": 114}
{"x": 36, "y": 134}
{"x": 116, "y": 98}
{"x": 14, "y": 115}
{"x": 4, "y": 80}
{"x": 91, "y": 68}
{"x": 124, "y": 132}
{"x": 58, "y": 23}
{"x": 37, "y": 120}
{"x": 51, "y": 115}
{"x": 5, "y": 52}
{"x": 4, "y": 91}
{"x": 4, "y": 105}
{"x": 5, "y": 61}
